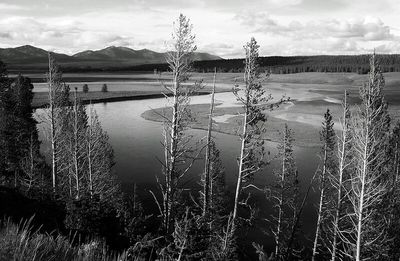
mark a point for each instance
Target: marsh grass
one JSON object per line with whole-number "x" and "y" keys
{"x": 19, "y": 242}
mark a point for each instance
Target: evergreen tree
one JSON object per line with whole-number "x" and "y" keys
{"x": 252, "y": 151}
{"x": 19, "y": 136}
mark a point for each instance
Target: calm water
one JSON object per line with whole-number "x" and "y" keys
{"x": 137, "y": 146}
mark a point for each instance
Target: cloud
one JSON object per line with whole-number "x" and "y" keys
{"x": 6, "y": 35}
{"x": 59, "y": 36}
{"x": 10, "y": 7}
{"x": 387, "y": 48}
{"x": 222, "y": 49}
{"x": 366, "y": 29}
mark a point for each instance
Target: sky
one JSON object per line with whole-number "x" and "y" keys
{"x": 222, "y": 27}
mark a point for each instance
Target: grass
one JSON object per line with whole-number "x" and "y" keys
{"x": 19, "y": 242}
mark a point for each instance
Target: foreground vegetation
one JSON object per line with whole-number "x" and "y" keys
{"x": 81, "y": 212}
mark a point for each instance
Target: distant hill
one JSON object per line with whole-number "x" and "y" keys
{"x": 30, "y": 56}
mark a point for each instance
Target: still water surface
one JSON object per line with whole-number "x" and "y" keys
{"x": 137, "y": 147}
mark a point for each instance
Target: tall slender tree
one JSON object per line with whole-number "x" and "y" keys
{"x": 340, "y": 180}
{"x": 394, "y": 229}
{"x": 283, "y": 193}
{"x": 77, "y": 137}
{"x": 252, "y": 151}
{"x": 99, "y": 179}
{"x": 369, "y": 184}
{"x": 206, "y": 178}
{"x": 58, "y": 96}
{"x": 176, "y": 143}
{"x": 328, "y": 168}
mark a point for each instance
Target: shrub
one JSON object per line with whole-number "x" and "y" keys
{"x": 85, "y": 88}
{"x": 104, "y": 88}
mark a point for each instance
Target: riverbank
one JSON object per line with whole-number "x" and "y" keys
{"x": 40, "y": 99}
{"x": 227, "y": 120}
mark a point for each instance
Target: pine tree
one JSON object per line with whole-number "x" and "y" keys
{"x": 252, "y": 151}
{"x": 19, "y": 136}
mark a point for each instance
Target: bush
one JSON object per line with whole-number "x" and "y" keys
{"x": 85, "y": 88}
{"x": 104, "y": 88}
{"x": 90, "y": 217}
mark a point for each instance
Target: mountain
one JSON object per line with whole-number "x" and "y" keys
{"x": 114, "y": 53}
{"x": 27, "y": 54}
{"x": 142, "y": 56}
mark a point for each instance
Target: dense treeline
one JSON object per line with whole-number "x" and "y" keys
{"x": 298, "y": 64}
{"x": 357, "y": 179}
{"x": 276, "y": 64}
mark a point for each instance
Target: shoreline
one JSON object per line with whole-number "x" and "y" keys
{"x": 128, "y": 96}
{"x": 228, "y": 127}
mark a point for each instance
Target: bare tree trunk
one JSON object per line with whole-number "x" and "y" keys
{"x": 75, "y": 148}
{"x": 207, "y": 186}
{"x": 320, "y": 206}
{"x": 89, "y": 156}
{"x": 280, "y": 207}
{"x": 52, "y": 126}
{"x": 342, "y": 155}
{"x": 361, "y": 198}
{"x": 241, "y": 159}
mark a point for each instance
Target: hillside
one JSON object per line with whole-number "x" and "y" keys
{"x": 28, "y": 56}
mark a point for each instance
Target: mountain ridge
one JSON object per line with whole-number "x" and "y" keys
{"x": 32, "y": 55}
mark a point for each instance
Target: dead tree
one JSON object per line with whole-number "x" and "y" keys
{"x": 329, "y": 143}
{"x": 30, "y": 166}
{"x": 99, "y": 158}
{"x": 56, "y": 99}
{"x": 283, "y": 193}
{"x": 77, "y": 144}
{"x": 206, "y": 179}
{"x": 177, "y": 149}
{"x": 340, "y": 180}
{"x": 368, "y": 235}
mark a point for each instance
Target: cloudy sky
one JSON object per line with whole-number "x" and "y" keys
{"x": 282, "y": 27}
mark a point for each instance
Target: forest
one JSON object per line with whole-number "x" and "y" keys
{"x": 276, "y": 64}
{"x": 66, "y": 203}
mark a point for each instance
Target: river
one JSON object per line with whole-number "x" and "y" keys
{"x": 137, "y": 147}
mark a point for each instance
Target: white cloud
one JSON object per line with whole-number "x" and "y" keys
{"x": 281, "y": 27}
{"x": 366, "y": 29}
{"x": 10, "y": 7}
